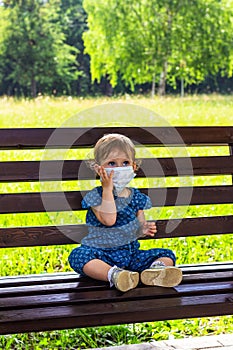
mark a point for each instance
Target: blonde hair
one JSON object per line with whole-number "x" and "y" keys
{"x": 110, "y": 141}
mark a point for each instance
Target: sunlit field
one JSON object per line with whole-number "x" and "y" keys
{"x": 53, "y": 112}
{"x": 212, "y": 110}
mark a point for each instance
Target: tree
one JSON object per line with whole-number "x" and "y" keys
{"x": 34, "y": 48}
{"x": 74, "y": 23}
{"x": 206, "y": 48}
{"x": 158, "y": 40}
{"x": 73, "y": 19}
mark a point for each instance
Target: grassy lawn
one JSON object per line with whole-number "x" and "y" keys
{"x": 51, "y": 112}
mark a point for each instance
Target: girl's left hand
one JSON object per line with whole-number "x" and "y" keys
{"x": 149, "y": 229}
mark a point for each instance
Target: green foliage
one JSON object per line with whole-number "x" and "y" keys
{"x": 131, "y": 43}
{"x": 151, "y": 40}
{"x": 205, "y": 45}
{"x": 34, "y": 49}
{"x": 73, "y": 20}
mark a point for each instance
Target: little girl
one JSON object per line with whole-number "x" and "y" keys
{"x": 115, "y": 220}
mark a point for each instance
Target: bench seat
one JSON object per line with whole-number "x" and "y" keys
{"x": 66, "y": 300}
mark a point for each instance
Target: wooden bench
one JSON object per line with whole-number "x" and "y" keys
{"x": 65, "y": 300}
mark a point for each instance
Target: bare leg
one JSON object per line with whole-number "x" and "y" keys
{"x": 166, "y": 261}
{"x": 97, "y": 269}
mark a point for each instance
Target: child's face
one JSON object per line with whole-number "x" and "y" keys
{"x": 117, "y": 158}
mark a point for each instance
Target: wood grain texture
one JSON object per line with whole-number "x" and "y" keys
{"x": 67, "y": 300}
{"x": 67, "y": 234}
{"x": 77, "y": 169}
{"x": 87, "y": 137}
{"x": 71, "y": 200}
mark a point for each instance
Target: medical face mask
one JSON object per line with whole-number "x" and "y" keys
{"x": 121, "y": 177}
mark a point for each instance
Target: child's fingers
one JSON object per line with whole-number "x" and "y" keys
{"x": 152, "y": 226}
{"x": 111, "y": 174}
{"x": 149, "y": 229}
{"x": 106, "y": 178}
{"x": 105, "y": 174}
{"x": 152, "y": 229}
{"x": 150, "y": 234}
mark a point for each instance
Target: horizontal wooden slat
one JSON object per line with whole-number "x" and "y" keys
{"x": 181, "y": 196}
{"x": 51, "y": 288}
{"x": 109, "y": 312}
{"x": 150, "y": 167}
{"x": 40, "y": 236}
{"x": 204, "y": 267}
{"x": 65, "y": 137}
{"x": 44, "y": 171}
{"x": 66, "y": 201}
{"x": 40, "y": 202}
{"x": 52, "y": 235}
{"x": 194, "y": 226}
{"x": 76, "y": 294}
{"x": 85, "y": 291}
{"x": 44, "y": 279}
{"x": 67, "y": 280}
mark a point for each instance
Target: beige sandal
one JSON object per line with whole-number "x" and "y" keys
{"x": 163, "y": 276}
{"x": 124, "y": 280}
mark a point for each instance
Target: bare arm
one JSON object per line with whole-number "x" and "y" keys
{"x": 106, "y": 212}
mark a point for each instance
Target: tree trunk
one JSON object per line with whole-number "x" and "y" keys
{"x": 106, "y": 87}
{"x": 182, "y": 87}
{"x": 33, "y": 87}
{"x": 153, "y": 86}
{"x": 162, "y": 82}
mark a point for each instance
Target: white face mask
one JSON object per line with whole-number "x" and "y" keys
{"x": 121, "y": 177}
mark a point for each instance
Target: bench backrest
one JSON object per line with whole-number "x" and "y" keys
{"x": 51, "y": 169}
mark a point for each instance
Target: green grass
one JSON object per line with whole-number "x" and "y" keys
{"x": 117, "y": 335}
{"x": 51, "y": 112}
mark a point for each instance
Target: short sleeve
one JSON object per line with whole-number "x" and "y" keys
{"x": 92, "y": 198}
{"x": 141, "y": 201}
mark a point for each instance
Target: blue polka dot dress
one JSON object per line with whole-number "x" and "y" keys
{"x": 125, "y": 229}
{"x": 117, "y": 244}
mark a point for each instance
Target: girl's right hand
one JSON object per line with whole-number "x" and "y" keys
{"x": 106, "y": 179}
